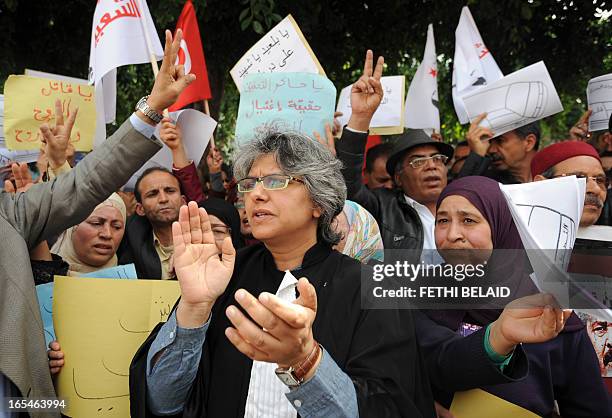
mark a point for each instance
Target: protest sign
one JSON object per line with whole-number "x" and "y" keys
{"x": 7, "y": 156}
{"x": 282, "y": 49}
{"x": 100, "y": 324}
{"x": 100, "y": 134}
{"x": 477, "y": 403}
{"x": 44, "y": 292}
{"x": 525, "y": 96}
{"x": 30, "y": 102}
{"x": 599, "y": 98}
{"x": 196, "y": 128}
{"x": 389, "y": 117}
{"x": 279, "y": 102}
{"x": 547, "y": 215}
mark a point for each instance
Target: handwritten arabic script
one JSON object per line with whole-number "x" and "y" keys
{"x": 283, "y": 49}
{"x": 300, "y": 102}
{"x": 126, "y": 10}
{"x": 30, "y": 102}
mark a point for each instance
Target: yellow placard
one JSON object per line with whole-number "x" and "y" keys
{"x": 30, "y": 101}
{"x": 477, "y": 403}
{"x": 100, "y": 323}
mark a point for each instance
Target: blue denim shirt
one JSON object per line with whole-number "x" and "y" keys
{"x": 329, "y": 393}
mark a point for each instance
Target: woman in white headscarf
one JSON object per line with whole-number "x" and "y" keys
{"x": 92, "y": 244}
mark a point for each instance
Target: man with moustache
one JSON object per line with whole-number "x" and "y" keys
{"x": 405, "y": 215}
{"x": 148, "y": 233}
{"x": 582, "y": 160}
{"x": 505, "y": 158}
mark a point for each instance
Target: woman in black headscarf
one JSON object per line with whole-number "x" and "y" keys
{"x": 472, "y": 214}
{"x": 217, "y": 355}
{"x": 224, "y": 220}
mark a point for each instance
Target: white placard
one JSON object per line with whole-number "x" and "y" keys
{"x": 196, "y": 128}
{"x": 391, "y": 109}
{"x": 283, "y": 49}
{"x": 547, "y": 215}
{"x": 599, "y": 98}
{"x": 525, "y": 96}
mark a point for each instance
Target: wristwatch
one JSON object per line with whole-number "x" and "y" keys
{"x": 144, "y": 107}
{"x": 294, "y": 376}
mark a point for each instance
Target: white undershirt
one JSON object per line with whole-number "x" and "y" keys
{"x": 429, "y": 223}
{"x": 266, "y": 396}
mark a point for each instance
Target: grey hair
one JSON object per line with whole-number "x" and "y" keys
{"x": 299, "y": 156}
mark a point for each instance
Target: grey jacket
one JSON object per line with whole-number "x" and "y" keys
{"x": 28, "y": 218}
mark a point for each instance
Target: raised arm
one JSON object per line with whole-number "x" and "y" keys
{"x": 48, "y": 208}
{"x": 366, "y": 95}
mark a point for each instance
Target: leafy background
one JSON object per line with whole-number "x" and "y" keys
{"x": 574, "y": 38}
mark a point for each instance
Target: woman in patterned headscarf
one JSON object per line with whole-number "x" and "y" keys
{"x": 361, "y": 238}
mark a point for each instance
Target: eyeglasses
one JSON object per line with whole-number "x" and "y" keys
{"x": 602, "y": 181}
{"x": 419, "y": 162}
{"x": 221, "y": 231}
{"x": 270, "y": 182}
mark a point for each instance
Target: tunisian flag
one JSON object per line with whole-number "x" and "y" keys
{"x": 191, "y": 55}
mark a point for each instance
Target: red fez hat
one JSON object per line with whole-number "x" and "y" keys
{"x": 561, "y": 151}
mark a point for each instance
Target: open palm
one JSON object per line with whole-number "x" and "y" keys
{"x": 202, "y": 275}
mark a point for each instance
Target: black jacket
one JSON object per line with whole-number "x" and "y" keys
{"x": 606, "y": 214}
{"x": 400, "y": 225}
{"x": 476, "y": 165}
{"x": 137, "y": 247}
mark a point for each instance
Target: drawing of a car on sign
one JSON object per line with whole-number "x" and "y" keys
{"x": 513, "y": 105}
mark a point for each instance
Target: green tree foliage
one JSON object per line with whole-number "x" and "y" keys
{"x": 574, "y": 38}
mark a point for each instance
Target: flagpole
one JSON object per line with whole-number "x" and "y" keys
{"x": 207, "y": 111}
{"x": 152, "y": 57}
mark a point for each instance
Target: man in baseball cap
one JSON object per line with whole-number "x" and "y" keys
{"x": 582, "y": 160}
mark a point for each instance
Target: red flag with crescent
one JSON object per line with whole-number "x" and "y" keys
{"x": 191, "y": 55}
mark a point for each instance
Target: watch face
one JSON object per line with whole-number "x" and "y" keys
{"x": 287, "y": 378}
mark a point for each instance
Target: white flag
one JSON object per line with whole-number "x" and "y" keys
{"x": 473, "y": 66}
{"x": 118, "y": 38}
{"x": 422, "y": 98}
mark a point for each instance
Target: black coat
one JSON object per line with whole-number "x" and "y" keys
{"x": 138, "y": 247}
{"x": 400, "y": 225}
{"x": 378, "y": 349}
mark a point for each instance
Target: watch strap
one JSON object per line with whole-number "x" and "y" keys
{"x": 300, "y": 370}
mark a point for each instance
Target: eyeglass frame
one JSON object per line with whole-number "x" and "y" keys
{"x": 425, "y": 159}
{"x": 606, "y": 184}
{"x": 228, "y": 233}
{"x": 288, "y": 179}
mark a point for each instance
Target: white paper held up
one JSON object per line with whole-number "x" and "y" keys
{"x": 197, "y": 129}
{"x": 547, "y": 215}
{"x": 525, "y": 96}
{"x": 599, "y": 98}
{"x": 389, "y": 113}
